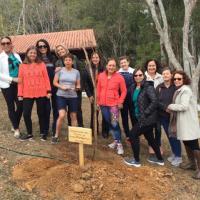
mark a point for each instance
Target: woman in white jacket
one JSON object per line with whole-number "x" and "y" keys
{"x": 9, "y": 65}
{"x": 184, "y": 122}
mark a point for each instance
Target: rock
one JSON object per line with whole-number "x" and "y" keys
{"x": 78, "y": 188}
{"x": 82, "y": 182}
{"x": 86, "y": 168}
{"x": 93, "y": 187}
{"x": 167, "y": 175}
{"x": 86, "y": 176}
{"x": 101, "y": 186}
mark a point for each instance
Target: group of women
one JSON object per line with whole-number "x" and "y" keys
{"x": 150, "y": 99}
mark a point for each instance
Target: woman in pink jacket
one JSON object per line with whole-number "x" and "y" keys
{"x": 111, "y": 92}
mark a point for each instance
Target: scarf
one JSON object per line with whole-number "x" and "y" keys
{"x": 172, "y": 130}
{"x": 13, "y": 64}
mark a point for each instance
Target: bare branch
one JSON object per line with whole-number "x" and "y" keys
{"x": 163, "y": 32}
{"x": 155, "y": 16}
{"x": 163, "y": 15}
{"x": 188, "y": 59}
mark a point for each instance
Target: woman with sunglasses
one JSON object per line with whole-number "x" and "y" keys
{"x": 111, "y": 92}
{"x": 142, "y": 98}
{"x": 9, "y": 67}
{"x": 46, "y": 56}
{"x": 152, "y": 67}
{"x": 97, "y": 68}
{"x": 61, "y": 52}
{"x": 184, "y": 121}
{"x": 33, "y": 86}
{"x": 165, "y": 92}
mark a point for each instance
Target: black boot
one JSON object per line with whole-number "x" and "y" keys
{"x": 197, "y": 158}
{"x": 190, "y": 165}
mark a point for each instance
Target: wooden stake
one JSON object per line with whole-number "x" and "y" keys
{"x": 95, "y": 97}
{"x": 81, "y": 155}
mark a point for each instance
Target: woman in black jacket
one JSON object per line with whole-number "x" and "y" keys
{"x": 97, "y": 68}
{"x": 142, "y": 97}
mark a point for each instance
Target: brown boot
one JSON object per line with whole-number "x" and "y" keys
{"x": 197, "y": 157}
{"x": 190, "y": 165}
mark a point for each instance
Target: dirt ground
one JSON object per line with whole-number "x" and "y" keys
{"x": 104, "y": 176}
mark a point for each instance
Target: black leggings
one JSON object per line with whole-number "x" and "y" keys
{"x": 157, "y": 133}
{"x": 147, "y": 131}
{"x": 15, "y": 107}
{"x": 125, "y": 112}
{"x": 192, "y": 144}
{"x": 28, "y": 106}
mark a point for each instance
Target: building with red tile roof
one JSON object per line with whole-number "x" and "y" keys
{"x": 73, "y": 40}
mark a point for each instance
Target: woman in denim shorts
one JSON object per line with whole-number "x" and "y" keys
{"x": 67, "y": 80}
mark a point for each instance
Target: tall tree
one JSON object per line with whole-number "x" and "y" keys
{"x": 192, "y": 69}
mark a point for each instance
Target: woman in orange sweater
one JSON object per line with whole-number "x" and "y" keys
{"x": 33, "y": 86}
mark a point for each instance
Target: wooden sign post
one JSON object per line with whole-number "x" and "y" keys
{"x": 81, "y": 136}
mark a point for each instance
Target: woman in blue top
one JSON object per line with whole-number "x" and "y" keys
{"x": 127, "y": 73}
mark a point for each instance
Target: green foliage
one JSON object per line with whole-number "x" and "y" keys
{"x": 121, "y": 26}
{"x": 147, "y": 51}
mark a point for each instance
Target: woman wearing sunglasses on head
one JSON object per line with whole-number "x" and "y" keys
{"x": 184, "y": 121}
{"x": 61, "y": 52}
{"x": 9, "y": 66}
{"x": 142, "y": 98}
{"x": 46, "y": 56}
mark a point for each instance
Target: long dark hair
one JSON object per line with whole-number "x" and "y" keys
{"x": 49, "y": 54}
{"x": 27, "y": 60}
{"x": 7, "y": 37}
{"x": 100, "y": 67}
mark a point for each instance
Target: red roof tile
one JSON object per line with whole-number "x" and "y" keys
{"x": 70, "y": 39}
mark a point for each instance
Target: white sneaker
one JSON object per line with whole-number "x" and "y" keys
{"x": 12, "y": 130}
{"x": 16, "y": 134}
{"x": 171, "y": 158}
{"x": 177, "y": 161}
{"x": 113, "y": 145}
{"x": 120, "y": 149}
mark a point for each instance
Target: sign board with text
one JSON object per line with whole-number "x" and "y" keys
{"x": 80, "y": 135}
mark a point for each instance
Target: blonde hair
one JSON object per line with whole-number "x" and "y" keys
{"x": 60, "y": 45}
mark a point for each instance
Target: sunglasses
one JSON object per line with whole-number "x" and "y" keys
{"x": 42, "y": 46}
{"x": 5, "y": 43}
{"x": 136, "y": 75}
{"x": 178, "y": 79}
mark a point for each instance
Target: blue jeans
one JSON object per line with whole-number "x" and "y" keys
{"x": 111, "y": 115}
{"x": 174, "y": 143}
